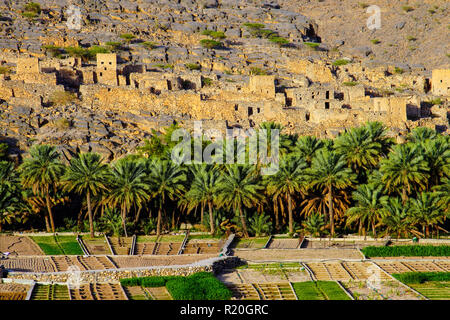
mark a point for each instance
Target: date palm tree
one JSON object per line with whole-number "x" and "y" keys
{"x": 329, "y": 171}
{"x": 421, "y": 135}
{"x": 238, "y": 186}
{"x": 87, "y": 175}
{"x": 128, "y": 187}
{"x": 397, "y": 218}
{"x": 359, "y": 150}
{"x": 306, "y": 147}
{"x": 203, "y": 190}
{"x": 314, "y": 225}
{"x": 426, "y": 211}
{"x": 405, "y": 170}
{"x": 368, "y": 209}
{"x": 437, "y": 156}
{"x": 289, "y": 180}
{"x": 166, "y": 180}
{"x": 42, "y": 171}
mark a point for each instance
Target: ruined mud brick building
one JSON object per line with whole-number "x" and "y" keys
{"x": 121, "y": 96}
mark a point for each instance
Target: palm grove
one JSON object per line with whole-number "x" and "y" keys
{"x": 362, "y": 181}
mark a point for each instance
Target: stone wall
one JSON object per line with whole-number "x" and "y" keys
{"x": 114, "y": 275}
{"x": 440, "y": 84}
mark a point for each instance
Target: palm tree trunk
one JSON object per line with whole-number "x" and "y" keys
{"x": 158, "y": 224}
{"x": 202, "y": 208}
{"x": 374, "y": 231}
{"x": 173, "y": 218}
{"x": 277, "y": 221}
{"x": 91, "y": 222}
{"x": 211, "y": 218}
{"x": 47, "y": 223}
{"x": 124, "y": 214}
{"x": 0, "y": 226}
{"x": 291, "y": 225}
{"x": 330, "y": 206}
{"x": 49, "y": 209}
{"x": 137, "y": 214}
{"x": 244, "y": 225}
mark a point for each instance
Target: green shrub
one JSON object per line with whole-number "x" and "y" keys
{"x": 375, "y": 41}
{"x": 421, "y": 277}
{"x": 193, "y": 66}
{"x": 340, "y": 62}
{"x": 255, "y": 71}
{"x": 350, "y": 83}
{"x": 411, "y": 38}
{"x": 279, "y": 41}
{"x": 436, "y": 101}
{"x": 363, "y": 5}
{"x": 398, "y": 70}
{"x": 127, "y": 37}
{"x": 164, "y": 66}
{"x": 29, "y": 15}
{"x": 206, "y": 82}
{"x": 211, "y": 44}
{"x": 407, "y": 8}
{"x": 31, "y": 10}
{"x": 214, "y": 34}
{"x": 5, "y": 70}
{"x": 254, "y": 25}
{"x": 62, "y": 124}
{"x": 312, "y": 45}
{"x": 407, "y": 251}
{"x": 149, "y": 45}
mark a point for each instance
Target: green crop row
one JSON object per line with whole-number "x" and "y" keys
{"x": 199, "y": 286}
{"x": 407, "y": 251}
{"x": 421, "y": 277}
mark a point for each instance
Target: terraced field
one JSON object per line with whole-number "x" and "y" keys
{"x": 319, "y": 290}
{"x": 251, "y": 243}
{"x": 342, "y": 271}
{"x": 98, "y": 291}
{"x": 58, "y": 245}
{"x": 391, "y": 266}
{"x": 50, "y": 292}
{"x": 136, "y": 293}
{"x": 97, "y": 246}
{"x": 13, "y": 291}
{"x": 262, "y": 291}
{"x": 120, "y": 246}
{"x": 434, "y": 290}
{"x": 201, "y": 246}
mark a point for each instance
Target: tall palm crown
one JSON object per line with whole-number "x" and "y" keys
{"x": 239, "y": 186}
{"x": 307, "y": 146}
{"x": 426, "y": 211}
{"x": 437, "y": 156}
{"x": 203, "y": 187}
{"x": 405, "y": 170}
{"x": 42, "y": 171}
{"x": 369, "y": 206}
{"x": 166, "y": 180}
{"x": 421, "y": 134}
{"x": 359, "y": 149}
{"x": 396, "y": 217}
{"x": 87, "y": 174}
{"x": 329, "y": 171}
{"x": 289, "y": 179}
{"x": 128, "y": 186}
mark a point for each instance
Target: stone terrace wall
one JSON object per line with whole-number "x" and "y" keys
{"x": 114, "y": 275}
